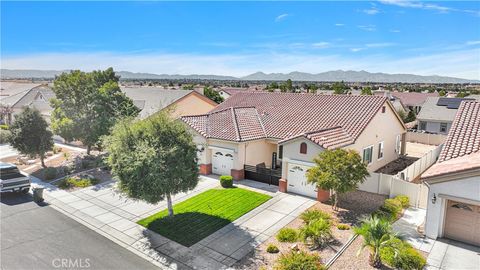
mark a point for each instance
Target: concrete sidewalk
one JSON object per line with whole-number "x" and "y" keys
{"x": 106, "y": 211}
{"x": 407, "y": 226}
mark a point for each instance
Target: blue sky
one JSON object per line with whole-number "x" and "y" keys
{"x": 238, "y": 38}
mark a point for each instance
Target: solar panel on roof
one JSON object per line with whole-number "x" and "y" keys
{"x": 451, "y": 103}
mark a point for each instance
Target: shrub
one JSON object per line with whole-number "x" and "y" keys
{"x": 287, "y": 235}
{"x": 272, "y": 249}
{"x": 404, "y": 200}
{"x": 406, "y": 257}
{"x": 393, "y": 207}
{"x": 56, "y": 149}
{"x": 343, "y": 227}
{"x": 226, "y": 181}
{"x": 316, "y": 233}
{"x": 71, "y": 182}
{"x": 299, "y": 261}
{"x": 50, "y": 173}
{"x": 4, "y": 135}
{"x": 312, "y": 215}
{"x": 4, "y": 127}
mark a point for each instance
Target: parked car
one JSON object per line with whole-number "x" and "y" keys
{"x": 11, "y": 179}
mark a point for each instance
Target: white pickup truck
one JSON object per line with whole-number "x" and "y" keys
{"x": 11, "y": 179}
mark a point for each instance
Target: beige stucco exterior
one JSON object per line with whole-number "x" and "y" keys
{"x": 384, "y": 127}
{"x": 191, "y": 104}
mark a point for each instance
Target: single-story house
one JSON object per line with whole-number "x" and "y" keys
{"x": 285, "y": 131}
{"x": 37, "y": 97}
{"x": 183, "y": 102}
{"x": 438, "y": 113}
{"x": 413, "y": 100}
{"x": 453, "y": 209}
{"x": 396, "y": 102}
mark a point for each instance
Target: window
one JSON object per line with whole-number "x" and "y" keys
{"x": 303, "y": 148}
{"x": 380, "y": 150}
{"x": 423, "y": 125}
{"x": 384, "y": 109}
{"x": 443, "y": 127}
{"x": 280, "y": 152}
{"x": 367, "y": 154}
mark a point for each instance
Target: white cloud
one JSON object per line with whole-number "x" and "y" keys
{"x": 356, "y": 49}
{"x": 460, "y": 63}
{"x": 339, "y": 24}
{"x": 371, "y": 11}
{"x": 473, "y": 42}
{"x": 395, "y": 31}
{"x": 281, "y": 17}
{"x": 321, "y": 45}
{"x": 379, "y": 45}
{"x": 427, "y": 6}
{"x": 368, "y": 28}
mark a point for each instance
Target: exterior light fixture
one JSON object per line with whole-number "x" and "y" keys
{"x": 200, "y": 148}
{"x": 434, "y": 198}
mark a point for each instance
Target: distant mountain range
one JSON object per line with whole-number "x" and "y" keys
{"x": 337, "y": 75}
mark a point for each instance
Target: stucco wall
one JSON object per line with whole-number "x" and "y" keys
{"x": 467, "y": 188}
{"x": 434, "y": 127}
{"x": 191, "y": 105}
{"x": 291, "y": 151}
{"x": 383, "y": 127}
{"x": 258, "y": 152}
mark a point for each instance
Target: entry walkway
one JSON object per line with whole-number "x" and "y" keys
{"x": 407, "y": 226}
{"x": 109, "y": 213}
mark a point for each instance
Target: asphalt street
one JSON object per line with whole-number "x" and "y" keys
{"x": 39, "y": 237}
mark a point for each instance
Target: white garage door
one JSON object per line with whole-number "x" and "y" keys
{"x": 462, "y": 222}
{"x": 297, "y": 181}
{"x": 222, "y": 163}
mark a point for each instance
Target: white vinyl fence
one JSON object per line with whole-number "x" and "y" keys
{"x": 426, "y": 138}
{"x": 421, "y": 165}
{"x": 392, "y": 186}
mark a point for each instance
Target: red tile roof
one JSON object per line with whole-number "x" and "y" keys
{"x": 461, "y": 150}
{"x": 413, "y": 98}
{"x": 329, "y": 120}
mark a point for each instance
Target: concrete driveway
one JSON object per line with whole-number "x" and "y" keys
{"x": 448, "y": 254}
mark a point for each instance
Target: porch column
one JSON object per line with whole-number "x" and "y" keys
{"x": 282, "y": 185}
{"x": 323, "y": 195}
{"x": 237, "y": 174}
{"x": 205, "y": 169}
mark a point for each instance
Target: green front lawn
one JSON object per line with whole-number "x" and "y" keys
{"x": 203, "y": 214}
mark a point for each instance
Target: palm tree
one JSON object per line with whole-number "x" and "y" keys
{"x": 377, "y": 233}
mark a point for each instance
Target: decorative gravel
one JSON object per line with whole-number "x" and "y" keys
{"x": 352, "y": 207}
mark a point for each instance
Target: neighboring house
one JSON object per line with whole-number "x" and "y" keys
{"x": 228, "y": 92}
{"x": 288, "y": 130}
{"x": 437, "y": 114}
{"x": 396, "y": 102}
{"x": 453, "y": 209}
{"x": 184, "y": 102}
{"x": 413, "y": 100}
{"x": 37, "y": 97}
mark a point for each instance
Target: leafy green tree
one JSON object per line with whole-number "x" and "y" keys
{"x": 367, "y": 91}
{"x": 339, "y": 170}
{"x": 87, "y": 105}
{"x": 30, "y": 134}
{"x": 462, "y": 94}
{"x": 442, "y": 93}
{"x": 411, "y": 116}
{"x": 377, "y": 234}
{"x": 153, "y": 158}
{"x": 340, "y": 88}
{"x": 312, "y": 88}
{"x": 187, "y": 87}
{"x": 402, "y": 115}
{"x": 289, "y": 85}
{"x": 212, "y": 94}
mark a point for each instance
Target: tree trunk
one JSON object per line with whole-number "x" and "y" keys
{"x": 335, "y": 200}
{"x": 42, "y": 160}
{"x": 169, "y": 205}
{"x": 89, "y": 147}
{"x": 375, "y": 259}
